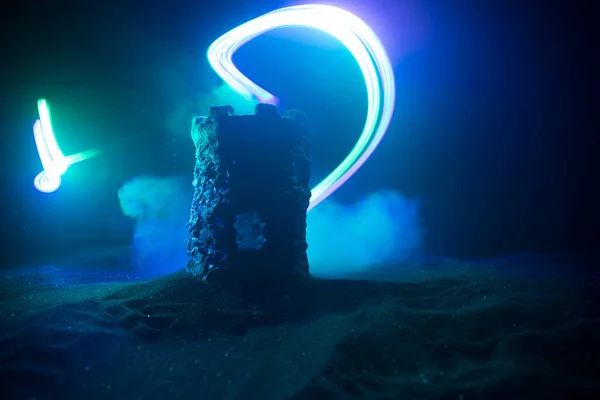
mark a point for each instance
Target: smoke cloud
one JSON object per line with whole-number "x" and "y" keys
{"x": 382, "y": 228}
{"x": 160, "y": 208}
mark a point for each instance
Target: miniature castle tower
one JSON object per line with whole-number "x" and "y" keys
{"x": 251, "y": 193}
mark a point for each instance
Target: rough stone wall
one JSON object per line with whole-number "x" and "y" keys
{"x": 248, "y": 217}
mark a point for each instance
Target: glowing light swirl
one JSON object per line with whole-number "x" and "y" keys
{"x": 364, "y": 46}
{"x": 54, "y": 162}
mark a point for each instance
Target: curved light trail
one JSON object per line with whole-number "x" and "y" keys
{"x": 362, "y": 43}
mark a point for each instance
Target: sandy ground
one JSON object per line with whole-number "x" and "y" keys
{"x": 442, "y": 331}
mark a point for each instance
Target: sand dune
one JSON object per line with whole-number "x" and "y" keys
{"x": 466, "y": 335}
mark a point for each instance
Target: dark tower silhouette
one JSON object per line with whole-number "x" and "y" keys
{"x": 247, "y": 224}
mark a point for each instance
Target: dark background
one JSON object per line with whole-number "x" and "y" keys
{"x": 495, "y": 130}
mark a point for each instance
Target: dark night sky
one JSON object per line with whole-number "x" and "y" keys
{"x": 496, "y": 129}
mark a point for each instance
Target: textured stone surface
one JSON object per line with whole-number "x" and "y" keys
{"x": 248, "y": 218}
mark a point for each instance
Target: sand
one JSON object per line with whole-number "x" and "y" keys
{"x": 464, "y": 332}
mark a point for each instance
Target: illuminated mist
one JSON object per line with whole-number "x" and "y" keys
{"x": 382, "y": 228}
